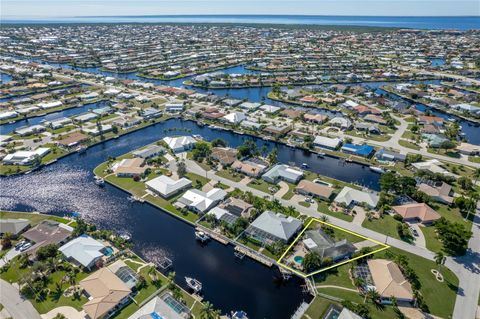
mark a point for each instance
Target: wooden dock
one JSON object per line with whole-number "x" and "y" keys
{"x": 220, "y": 238}
{"x": 255, "y": 256}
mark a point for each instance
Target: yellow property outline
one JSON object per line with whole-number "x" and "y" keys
{"x": 384, "y": 246}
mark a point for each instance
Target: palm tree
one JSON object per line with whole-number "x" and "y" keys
{"x": 439, "y": 259}
{"x": 476, "y": 175}
{"x": 372, "y": 295}
{"x": 472, "y": 203}
{"x": 208, "y": 312}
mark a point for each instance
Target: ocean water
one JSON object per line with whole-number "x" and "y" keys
{"x": 459, "y": 23}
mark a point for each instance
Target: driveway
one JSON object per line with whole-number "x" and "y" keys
{"x": 17, "y": 306}
{"x": 282, "y": 191}
{"x": 420, "y": 239}
{"x": 12, "y": 253}
{"x": 69, "y": 312}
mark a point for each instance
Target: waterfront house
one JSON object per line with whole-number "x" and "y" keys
{"x": 180, "y": 143}
{"x": 150, "y": 113}
{"x": 224, "y": 155}
{"x": 282, "y": 172}
{"x": 314, "y": 118}
{"x": 276, "y": 131}
{"x": 105, "y": 291}
{"x": 58, "y": 123}
{"x": 272, "y": 227}
{"x": 129, "y": 167}
{"x": 251, "y": 167}
{"x": 126, "y": 274}
{"x": 317, "y": 241}
{"x": 25, "y": 157}
{"x": 367, "y": 127}
{"x": 164, "y": 306}
{"x": 390, "y": 156}
{"x": 433, "y": 166}
{"x": 83, "y": 251}
{"x": 309, "y": 188}
{"x": 85, "y": 117}
{"x": 224, "y": 215}
{"x": 327, "y": 142}
{"x": 174, "y": 107}
{"x": 438, "y": 191}
{"x": 249, "y": 106}
{"x": 350, "y": 197}
{"x": 45, "y": 233}
{"x": 468, "y": 149}
{"x": 202, "y": 202}
{"x": 166, "y": 186}
{"x": 98, "y": 129}
{"x": 420, "y": 212}
{"x": 434, "y": 140}
{"x": 49, "y": 105}
{"x": 234, "y": 118}
{"x": 127, "y": 121}
{"x": 231, "y": 102}
{"x": 237, "y": 207}
{"x": 8, "y": 115}
{"x": 389, "y": 281}
{"x": 72, "y": 140}
{"x": 29, "y": 130}
{"x": 270, "y": 108}
{"x": 13, "y": 226}
{"x": 359, "y": 150}
{"x": 149, "y": 151}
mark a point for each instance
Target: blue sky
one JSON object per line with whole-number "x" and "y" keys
{"x": 69, "y": 8}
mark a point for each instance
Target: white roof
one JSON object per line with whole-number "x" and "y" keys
{"x": 327, "y": 141}
{"x": 179, "y": 142}
{"x": 432, "y": 165}
{"x": 218, "y": 212}
{"x": 278, "y": 225}
{"x": 49, "y": 105}
{"x": 25, "y": 156}
{"x": 166, "y": 185}
{"x": 348, "y": 195}
{"x": 234, "y": 117}
{"x": 83, "y": 249}
{"x": 202, "y": 201}
{"x": 270, "y": 108}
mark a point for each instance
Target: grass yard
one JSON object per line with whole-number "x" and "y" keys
{"x": 261, "y": 185}
{"x": 338, "y": 276}
{"x": 408, "y": 144}
{"x": 431, "y": 240}
{"x": 318, "y": 308}
{"x": 386, "y": 225}
{"x": 323, "y": 208}
{"x": 197, "y": 179}
{"x": 231, "y": 175}
{"x": 291, "y": 191}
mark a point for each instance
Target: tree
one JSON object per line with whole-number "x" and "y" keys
{"x": 388, "y": 182}
{"x": 6, "y": 241}
{"x": 181, "y": 169}
{"x": 47, "y": 251}
{"x": 248, "y": 148}
{"x": 465, "y": 183}
{"x": 439, "y": 259}
{"x": 81, "y": 227}
{"x": 200, "y": 151}
{"x": 454, "y": 236}
{"x": 373, "y": 296}
{"x": 218, "y": 142}
{"x": 312, "y": 261}
{"x": 272, "y": 156}
{"x": 208, "y": 311}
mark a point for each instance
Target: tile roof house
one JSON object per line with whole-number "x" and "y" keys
{"x": 271, "y": 226}
{"x": 417, "y": 211}
{"x": 73, "y": 139}
{"x": 440, "y": 192}
{"x": 105, "y": 291}
{"x": 166, "y": 186}
{"x": 389, "y": 280}
{"x": 225, "y": 155}
{"x": 282, "y": 172}
{"x": 45, "y": 233}
{"x": 350, "y": 196}
{"x": 249, "y": 168}
{"x": 309, "y": 188}
{"x": 83, "y": 250}
{"x": 129, "y": 167}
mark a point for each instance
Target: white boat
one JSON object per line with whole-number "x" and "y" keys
{"x": 194, "y": 284}
{"x": 321, "y": 154}
{"x": 304, "y": 165}
{"x": 99, "y": 181}
{"x": 239, "y": 315}
{"x": 125, "y": 236}
{"x": 377, "y": 169}
{"x": 81, "y": 149}
{"x": 201, "y": 236}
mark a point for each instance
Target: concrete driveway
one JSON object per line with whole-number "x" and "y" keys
{"x": 16, "y": 305}
{"x": 12, "y": 253}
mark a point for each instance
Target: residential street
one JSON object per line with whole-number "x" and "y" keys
{"x": 467, "y": 268}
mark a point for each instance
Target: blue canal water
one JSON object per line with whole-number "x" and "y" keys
{"x": 8, "y": 128}
{"x": 67, "y": 186}
{"x": 460, "y": 23}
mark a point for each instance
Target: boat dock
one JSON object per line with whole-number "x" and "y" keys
{"x": 213, "y": 235}
{"x": 255, "y": 256}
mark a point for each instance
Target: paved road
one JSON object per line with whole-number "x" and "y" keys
{"x": 466, "y": 268}
{"x": 17, "y": 306}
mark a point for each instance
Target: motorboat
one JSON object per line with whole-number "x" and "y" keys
{"x": 81, "y": 149}
{"x": 304, "y": 165}
{"x": 377, "y": 169}
{"x": 321, "y": 154}
{"x": 194, "y": 284}
{"x": 239, "y": 315}
{"x": 201, "y": 236}
{"x": 99, "y": 181}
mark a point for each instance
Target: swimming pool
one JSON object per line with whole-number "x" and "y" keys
{"x": 108, "y": 251}
{"x": 298, "y": 259}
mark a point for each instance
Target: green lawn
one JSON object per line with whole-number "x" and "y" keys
{"x": 33, "y": 218}
{"x": 317, "y": 308}
{"x": 386, "y": 225}
{"x": 431, "y": 239}
{"x": 338, "y": 276}
{"x": 229, "y": 174}
{"x": 323, "y": 208}
{"x": 261, "y": 185}
{"x": 291, "y": 191}
{"x": 408, "y": 144}
{"x": 202, "y": 180}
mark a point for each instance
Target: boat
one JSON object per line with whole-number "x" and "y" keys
{"x": 348, "y": 160}
{"x": 239, "y": 315}
{"x": 201, "y": 236}
{"x": 377, "y": 169}
{"x": 81, "y": 149}
{"x": 99, "y": 181}
{"x": 125, "y": 236}
{"x": 304, "y": 165}
{"x": 321, "y": 154}
{"x": 197, "y": 136}
{"x": 135, "y": 199}
{"x": 194, "y": 284}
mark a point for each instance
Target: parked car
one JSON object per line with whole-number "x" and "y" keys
{"x": 414, "y": 232}
{"x": 20, "y": 244}
{"x": 25, "y": 247}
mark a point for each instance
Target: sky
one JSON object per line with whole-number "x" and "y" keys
{"x": 20, "y": 9}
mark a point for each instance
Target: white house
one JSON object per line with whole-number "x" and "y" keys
{"x": 166, "y": 186}
{"x": 180, "y": 143}
{"x": 327, "y": 142}
{"x": 83, "y": 250}
{"x": 202, "y": 202}
{"x": 234, "y": 117}
{"x": 25, "y": 157}
{"x": 270, "y": 226}
{"x": 350, "y": 196}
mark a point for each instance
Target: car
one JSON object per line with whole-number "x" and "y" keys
{"x": 20, "y": 244}
{"x": 25, "y": 247}
{"x": 414, "y": 232}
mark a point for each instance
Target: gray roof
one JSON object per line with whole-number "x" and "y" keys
{"x": 327, "y": 247}
{"x": 275, "y": 225}
{"x": 149, "y": 151}
{"x": 13, "y": 226}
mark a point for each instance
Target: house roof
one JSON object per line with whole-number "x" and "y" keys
{"x": 278, "y": 225}
{"x": 13, "y": 226}
{"x": 327, "y": 141}
{"x": 284, "y": 171}
{"x": 420, "y": 211}
{"x": 389, "y": 280}
{"x": 166, "y": 185}
{"x": 106, "y": 291}
{"x": 202, "y": 201}
{"x": 179, "y": 142}
{"x": 348, "y": 195}
{"x": 47, "y": 232}
{"x": 83, "y": 249}
{"x": 315, "y": 188}
{"x": 132, "y": 166}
